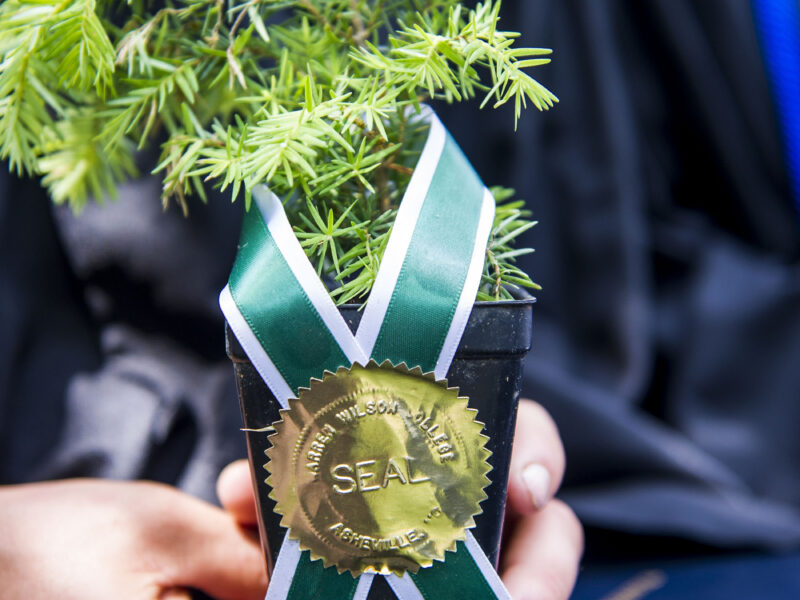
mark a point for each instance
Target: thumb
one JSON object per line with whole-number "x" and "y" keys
{"x": 216, "y": 555}
{"x": 235, "y": 492}
{"x": 537, "y": 460}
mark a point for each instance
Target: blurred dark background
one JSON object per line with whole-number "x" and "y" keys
{"x": 667, "y": 335}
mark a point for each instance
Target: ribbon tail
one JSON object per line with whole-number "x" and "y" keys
{"x": 285, "y": 567}
{"x": 465, "y": 574}
{"x": 297, "y": 577}
{"x": 404, "y": 587}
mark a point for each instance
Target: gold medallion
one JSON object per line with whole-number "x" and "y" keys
{"x": 378, "y": 468}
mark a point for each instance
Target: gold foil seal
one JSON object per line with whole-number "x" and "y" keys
{"x": 378, "y": 468}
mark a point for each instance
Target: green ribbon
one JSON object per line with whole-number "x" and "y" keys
{"x": 432, "y": 277}
{"x": 283, "y": 316}
{"x": 278, "y": 310}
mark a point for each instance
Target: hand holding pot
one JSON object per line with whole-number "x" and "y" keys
{"x": 544, "y": 540}
{"x": 94, "y": 539}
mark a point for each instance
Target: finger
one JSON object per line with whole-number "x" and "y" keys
{"x": 235, "y": 492}
{"x": 205, "y": 549}
{"x": 537, "y": 460}
{"x": 541, "y": 557}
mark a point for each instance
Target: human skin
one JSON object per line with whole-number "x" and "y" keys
{"x": 544, "y": 540}
{"x": 87, "y": 539}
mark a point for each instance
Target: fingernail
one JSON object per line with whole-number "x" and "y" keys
{"x": 537, "y": 480}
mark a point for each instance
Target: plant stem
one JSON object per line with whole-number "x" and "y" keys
{"x": 315, "y": 12}
{"x": 358, "y": 23}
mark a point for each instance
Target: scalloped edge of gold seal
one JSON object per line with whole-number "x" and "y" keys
{"x": 353, "y": 523}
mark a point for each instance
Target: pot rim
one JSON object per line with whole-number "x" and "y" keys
{"x": 525, "y": 299}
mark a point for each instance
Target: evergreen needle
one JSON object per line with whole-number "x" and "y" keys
{"x": 311, "y": 97}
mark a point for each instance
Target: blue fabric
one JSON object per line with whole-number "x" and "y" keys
{"x": 778, "y": 22}
{"x": 740, "y": 577}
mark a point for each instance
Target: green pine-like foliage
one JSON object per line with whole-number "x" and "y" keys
{"x": 311, "y": 97}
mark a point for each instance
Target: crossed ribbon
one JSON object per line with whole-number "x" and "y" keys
{"x": 422, "y": 297}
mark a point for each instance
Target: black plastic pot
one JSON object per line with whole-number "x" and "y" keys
{"x": 487, "y": 368}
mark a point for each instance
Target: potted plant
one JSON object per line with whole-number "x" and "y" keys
{"x": 321, "y": 101}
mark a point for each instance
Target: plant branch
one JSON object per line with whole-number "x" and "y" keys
{"x": 310, "y": 97}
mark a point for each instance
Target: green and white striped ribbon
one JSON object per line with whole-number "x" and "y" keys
{"x": 292, "y": 331}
